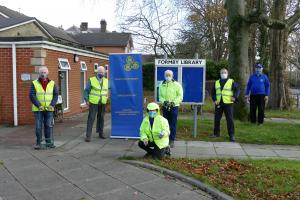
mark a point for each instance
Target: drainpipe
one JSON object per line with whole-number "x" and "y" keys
{"x": 15, "y": 94}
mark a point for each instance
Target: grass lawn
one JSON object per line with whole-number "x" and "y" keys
{"x": 289, "y": 114}
{"x": 269, "y": 133}
{"x": 243, "y": 179}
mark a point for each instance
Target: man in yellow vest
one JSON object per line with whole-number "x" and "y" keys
{"x": 224, "y": 94}
{"x": 96, "y": 95}
{"x": 43, "y": 95}
{"x": 170, "y": 95}
{"x": 154, "y": 133}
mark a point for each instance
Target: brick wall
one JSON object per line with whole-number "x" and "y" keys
{"x": 25, "y": 116}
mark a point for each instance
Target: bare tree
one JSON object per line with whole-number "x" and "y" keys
{"x": 152, "y": 22}
{"x": 207, "y": 28}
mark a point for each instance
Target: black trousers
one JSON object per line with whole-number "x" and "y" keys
{"x": 257, "y": 102}
{"x": 94, "y": 109}
{"x": 228, "y": 110}
{"x": 153, "y": 150}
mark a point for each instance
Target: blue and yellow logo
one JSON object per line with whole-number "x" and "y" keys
{"x": 131, "y": 64}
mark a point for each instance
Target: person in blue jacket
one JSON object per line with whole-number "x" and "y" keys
{"x": 257, "y": 92}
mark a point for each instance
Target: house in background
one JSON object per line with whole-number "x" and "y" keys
{"x": 26, "y": 44}
{"x": 101, "y": 40}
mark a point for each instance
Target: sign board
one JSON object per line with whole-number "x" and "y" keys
{"x": 126, "y": 83}
{"x": 190, "y": 73}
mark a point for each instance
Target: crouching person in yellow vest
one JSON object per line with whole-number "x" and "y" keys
{"x": 154, "y": 133}
{"x": 224, "y": 94}
{"x": 96, "y": 95}
{"x": 43, "y": 95}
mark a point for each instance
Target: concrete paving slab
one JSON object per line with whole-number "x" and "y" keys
{"x": 199, "y": 144}
{"x": 63, "y": 192}
{"x": 24, "y": 196}
{"x": 187, "y": 195}
{"x": 260, "y": 152}
{"x": 180, "y": 143}
{"x": 11, "y": 188}
{"x": 201, "y": 150}
{"x": 63, "y": 163}
{"x": 134, "y": 176}
{"x": 230, "y": 151}
{"x": 226, "y": 145}
{"x": 81, "y": 174}
{"x": 160, "y": 188}
{"x": 288, "y": 153}
{"x": 123, "y": 194}
{"x": 101, "y": 185}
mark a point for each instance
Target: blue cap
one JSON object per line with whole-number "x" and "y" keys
{"x": 258, "y": 65}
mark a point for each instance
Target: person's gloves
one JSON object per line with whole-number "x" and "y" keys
{"x": 146, "y": 142}
{"x": 50, "y": 108}
{"x": 172, "y": 104}
{"x": 41, "y": 108}
{"x": 166, "y": 103}
{"x": 161, "y": 135}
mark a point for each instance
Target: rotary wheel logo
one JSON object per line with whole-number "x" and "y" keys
{"x": 130, "y": 64}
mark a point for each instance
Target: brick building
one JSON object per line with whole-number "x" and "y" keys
{"x": 26, "y": 44}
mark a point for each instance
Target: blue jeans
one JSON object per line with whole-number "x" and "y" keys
{"x": 45, "y": 119}
{"x": 171, "y": 116}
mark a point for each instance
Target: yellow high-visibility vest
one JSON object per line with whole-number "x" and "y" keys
{"x": 226, "y": 93}
{"x": 44, "y": 97}
{"x": 97, "y": 92}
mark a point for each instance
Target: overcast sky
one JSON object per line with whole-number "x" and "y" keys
{"x": 67, "y": 12}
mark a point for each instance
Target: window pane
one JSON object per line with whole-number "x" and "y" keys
{"x": 64, "y": 65}
{"x": 82, "y": 74}
{"x": 63, "y": 87}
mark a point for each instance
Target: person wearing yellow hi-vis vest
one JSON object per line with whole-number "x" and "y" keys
{"x": 154, "y": 133}
{"x": 96, "y": 96}
{"x": 43, "y": 95}
{"x": 170, "y": 95}
{"x": 224, "y": 94}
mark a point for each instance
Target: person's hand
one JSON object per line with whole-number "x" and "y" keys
{"x": 216, "y": 103}
{"x": 266, "y": 99}
{"x": 172, "y": 104}
{"x": 247, "y": 98}
{"x": 161, "y": 135}
{"x": 87, "y": 103}
{"x": 41, "y": 108}
{"x": 50, "y": 108}
{"x": 146, "y": 142}
{"x": 233, "y": 99}
{"x": 166, "y": 103}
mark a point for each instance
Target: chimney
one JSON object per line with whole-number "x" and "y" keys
{"x": 84, "y": 26}
{"x": 103, "y": 26}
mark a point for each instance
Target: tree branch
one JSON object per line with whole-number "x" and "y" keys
{"x": 293, "y": 20}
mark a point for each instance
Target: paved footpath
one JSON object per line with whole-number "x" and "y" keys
{"x": 77, "y": 170}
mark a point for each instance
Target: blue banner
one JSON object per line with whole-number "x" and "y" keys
{"x": 126, "y": 83}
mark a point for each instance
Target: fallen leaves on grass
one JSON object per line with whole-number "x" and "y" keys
{"x": 240, "y": 179}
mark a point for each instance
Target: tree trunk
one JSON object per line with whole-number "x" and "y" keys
{"x": 279, "y": 80}
{"x": 238, "y": 51}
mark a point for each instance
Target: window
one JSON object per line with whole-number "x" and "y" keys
{"x": 95, "y": 67}
{"x": 83, "y": 69}
{"x": 83, "y": 66}
{"x": 64, "y": 87}
{"x": 64, "y": 64}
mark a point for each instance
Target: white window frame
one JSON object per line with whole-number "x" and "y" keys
{"x": 82, "y": 68}
{"x": 84, "y": 79}
{"x": 67, "y": 80}
{"x": 63, "y": 60}
{"x": 95, "y": 69}
{"x": 106, "y": 70}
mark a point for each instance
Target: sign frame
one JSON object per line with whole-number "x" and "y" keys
{"x": 180, "y": 64}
